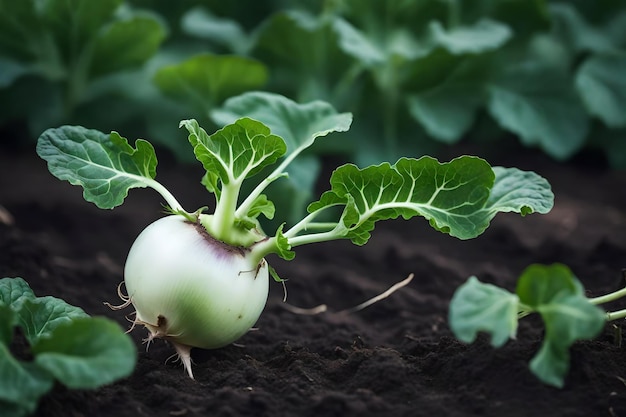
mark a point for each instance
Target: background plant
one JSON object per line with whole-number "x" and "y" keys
{"x": 553, "y": 292}
{"x": 66, "y": 345}
{"x": 417, "y": 74}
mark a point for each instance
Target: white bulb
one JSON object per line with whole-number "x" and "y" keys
{"x": 191, "y": 289}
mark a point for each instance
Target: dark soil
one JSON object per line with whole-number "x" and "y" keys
{"x": 395, "y": 358}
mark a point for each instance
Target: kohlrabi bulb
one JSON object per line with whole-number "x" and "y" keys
{"x": 191, "y": 289}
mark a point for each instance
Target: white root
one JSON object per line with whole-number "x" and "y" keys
{"x": 379, "y": 297}
{"x": 184, "y": 354}
{"x": 322, "y": 308}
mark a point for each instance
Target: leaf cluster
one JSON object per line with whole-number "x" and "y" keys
{"x": 459, "y": 197}
{"x": 553, "y": 292}
{"x": 65, "y": 345}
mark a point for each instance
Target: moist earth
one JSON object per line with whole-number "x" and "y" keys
{"x": 397, "y": 357}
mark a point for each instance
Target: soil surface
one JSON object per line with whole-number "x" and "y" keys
{"x": 395, "y": 358}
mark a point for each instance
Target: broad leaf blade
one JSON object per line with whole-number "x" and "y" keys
{"x": 459, "y": 197}
{"x": 106, "y": 166}
{"x": 518, "y": 191}
{"x": 541, "y": 106}
{"x": 113, "y": 50}
{"x": 206, "y": 80}
{"x": 447, "y": 194}
{"x": 13, "y": 291}
{"x": 298, "y": 124}
{"x": 86, "y": 353}
{"x": 540, "y": 284}
{"x": 237, "y": 151}
{"x": 602, "y": 85}
{"x": 40, "y": 316}
{"x": 477, "y": 307}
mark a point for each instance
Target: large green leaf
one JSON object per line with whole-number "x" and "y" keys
{"x": 448, "y": 111}
{"x": 114, "y": 50}
{"x": 237, "y": 151}
{"x": 298, "y": 124}
{"x": 542, "y": 107}
{"x": 86, "y": 353}
{"x": 459, "y": 197}
{"x": 477, "y": 307}
{"x": 602, "y": 85}
{"x": 14, "y": 290}
{"x": 38, "y": 317}
{"x": 206, "y": 80}
{"x": 106, "y": 166}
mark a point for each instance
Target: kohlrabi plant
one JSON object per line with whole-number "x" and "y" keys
{"x": 200, "y": 278}
{"x": 553, "y": 292}
{"x": 66, "y": 345}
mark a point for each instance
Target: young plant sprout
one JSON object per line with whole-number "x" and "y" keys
{"x": 200, "y": 279}
{"x": 553, "y": 292}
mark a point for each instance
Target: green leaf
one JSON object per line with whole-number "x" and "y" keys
{"x": 447, "y": 111}
{"x": 237, "y": 151}
{"x": 572, "y": 30}
{"x": 38, "y": 317}
{"x": 518, "y": 191}
{"x": 601, "y": 84}
{"x": 459, "y": 197}
{"x": 201, "y": 23}
{"x": 354, "y": 42}
{"x": 106, "y": 166}
{"x": 263, "y": 206}
{"x": 86, "y": 353}
{"x": 559, "y": 298}
{"x": 447, "y": 194}
{"x": 540, "y": 284}
{"x": 477, "y": 307}
{"x": 21, "y": 384}
{"x": 484, "y": 35}
{"x": 541, "y": 106}
{"x": 114, "y": 50}
{"x": 283, "y": 249}
{"x": 298, "y": 124}
{"x": 13, "y": 291}
{"x": 206, "y": 80}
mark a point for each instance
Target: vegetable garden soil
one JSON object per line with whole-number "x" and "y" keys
{"x": 395, "y": 358}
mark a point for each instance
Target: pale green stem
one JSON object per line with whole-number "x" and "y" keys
{"x": 224, "y": 216}
{"x": 244, "y": 207}
{"x": 302, "y": 225}
{"x": 608, "y": 297}
{"x": 614, "y": 315}
{"x": 169, "y": 198}
{"x": 314, "y": 238}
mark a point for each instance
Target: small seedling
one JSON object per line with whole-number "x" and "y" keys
{"x": 551, "y": 291}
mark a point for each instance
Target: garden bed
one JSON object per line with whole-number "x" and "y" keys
{"x": 397, "y": 357}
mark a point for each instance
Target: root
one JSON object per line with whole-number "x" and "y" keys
{"x": 379, "y": 297}
{"x": 125, "y": 298}
{"x": 322, "y": 308}
{"x": 184, "y": 354}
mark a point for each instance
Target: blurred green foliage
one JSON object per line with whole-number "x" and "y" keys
{"x": 417, "y": 74}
